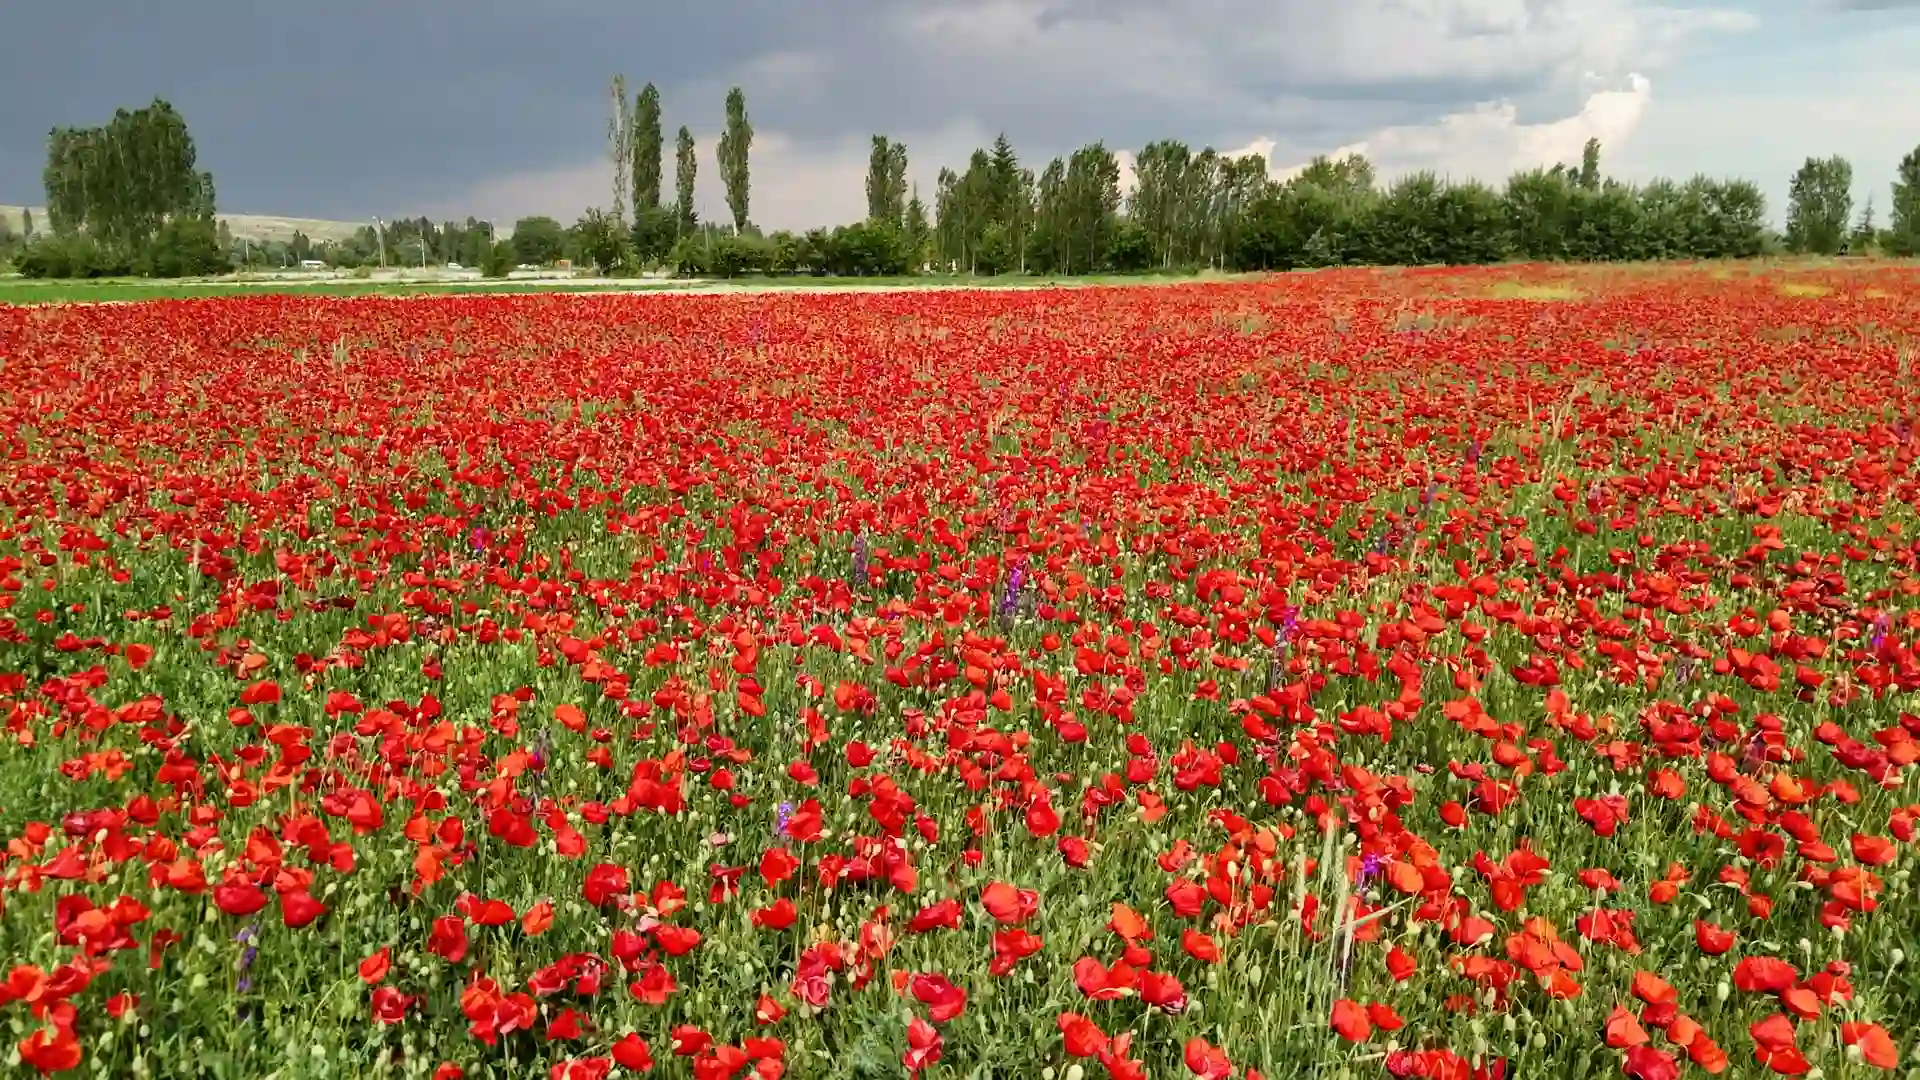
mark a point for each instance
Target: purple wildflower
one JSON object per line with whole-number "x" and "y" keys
{"x": 1880, "y": 627}
{"x": 248, "y": 936}
{"x": 1371, "y": 867}
{"x": 782, "y": 815}
{"x": 1010, "y": 596}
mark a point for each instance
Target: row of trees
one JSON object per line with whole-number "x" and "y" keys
{"x": 1820, "y": 217}
{"x": 636, "y": 145}
{"x": 1206, "y": 209}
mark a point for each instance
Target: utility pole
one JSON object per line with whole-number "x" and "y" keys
{"x": 380, "y": 237}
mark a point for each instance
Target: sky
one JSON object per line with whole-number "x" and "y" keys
{"x": 349, "y": 109}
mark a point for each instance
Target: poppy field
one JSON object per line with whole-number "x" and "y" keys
{"x": 1359, "y": 674}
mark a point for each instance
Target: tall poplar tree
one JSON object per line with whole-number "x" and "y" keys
{"x": 685, "y": 165}
{"x": 886, "y": 180}
{"x": 619, "y": 145}
{"x": 735, "y": 143}
{"x": 647, "y": 140}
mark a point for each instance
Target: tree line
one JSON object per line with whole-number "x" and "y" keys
{"x": 126, "y": 197}
{"x": 1188, "y": 210}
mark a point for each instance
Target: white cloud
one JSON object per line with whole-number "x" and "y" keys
{"x": 1253, "y": 60}
{"x": 1764, "y": 134}
{"x": 1402, "y": 81}
{"x": 1489, "y": 142}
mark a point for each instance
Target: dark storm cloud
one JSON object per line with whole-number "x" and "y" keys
{"x": 352, "y": 107}
{"x": 348, "y": 108}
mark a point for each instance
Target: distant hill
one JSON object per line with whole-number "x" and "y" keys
{"x": 257, "y": 227}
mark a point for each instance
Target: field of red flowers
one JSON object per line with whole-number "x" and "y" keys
{"x": 1353, "y": 674}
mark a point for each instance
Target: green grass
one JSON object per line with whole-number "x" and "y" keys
{"x": 68, "y": 292}
{"x": 30, "y": 291}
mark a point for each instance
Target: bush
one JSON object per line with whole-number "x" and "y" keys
{"x": 499, "y": 260}
{"x": 604, "y": 243}
{"x": 737, "y": 256}
{"x": 865, "y": 249}
{"x": 76, "y": 255}
{"x": 1131, "y": 249}
{"x": 688, "y": 258}
{"x": 653, "y": 233}
{"x": 184, "y": 247}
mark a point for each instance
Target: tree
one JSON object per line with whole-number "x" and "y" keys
{"x": 1159, "y": 175}
{"x": 186, "y": 246}
{"x": 1903, "y": 224}
{"x": 1130, "y": 250}
{"x": 619, "y": 145}
{"x": 886, "y": 180}
{"x": 1589, "y": 177}
{"x": 1865, "y": 236}
{"x": 654, "y": 231}
{"x": 1008, "y": 191}
{"x": 646, "y": 147}
{"x": 916, "y": 231}
{"x": 1470, "y": 225}
{"x": 1819, "y": 205}
{"x": 1347, "y": 176}
{"x": 685, "y": 165}
{"x": 1092, "y": 198}
{"x": 602, "y": 240}
{"x": 26, "y": 223}
{"x": 538, "y": 241}
{"x": 1731, "y": 219}
{"x": 735, "y": 143}
{"x": 498, "y": 260}
{"x": 1605, "y": 224}
{"x": 1401, "y": 231}
{"x": 121, "y": 181}
{"x": 1047, "y": 246}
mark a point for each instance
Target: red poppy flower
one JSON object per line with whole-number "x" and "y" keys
{"x": 1350, "y": 1021}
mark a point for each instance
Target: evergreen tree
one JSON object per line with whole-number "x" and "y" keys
{"x": 1865, "y": 236}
